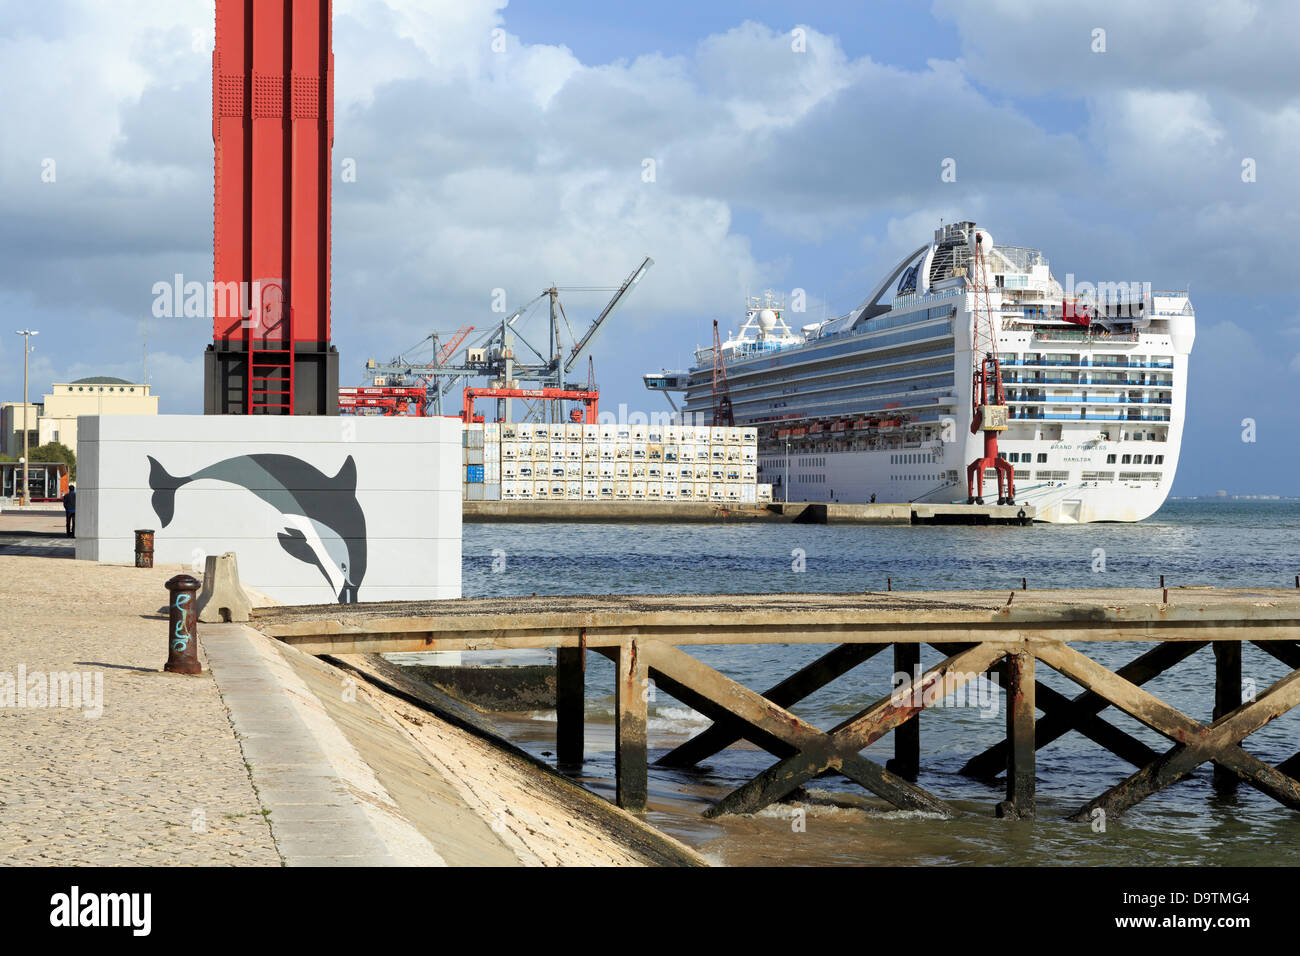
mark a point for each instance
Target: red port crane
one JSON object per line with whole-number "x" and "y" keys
{"x": 591, "y": 400}
{"x": 447, "y": 350}
{"x": 988, "y": 402}
{"x": 722, "y": 413}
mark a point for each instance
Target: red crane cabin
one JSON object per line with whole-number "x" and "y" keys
{"x": 272, "y": 130}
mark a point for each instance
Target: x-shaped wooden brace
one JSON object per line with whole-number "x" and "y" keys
{"x": 812, "y": 751}
{"x": 1194, "y": 742}
{"x": 1062, "y": 714}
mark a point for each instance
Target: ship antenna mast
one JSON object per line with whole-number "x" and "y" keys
{"x": 722, "y": 413}
{"x": 988, "y": 402}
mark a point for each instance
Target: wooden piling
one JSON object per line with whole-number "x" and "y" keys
{"x": 907, "y": 737}
{"x": 1021, "y": 763}
{"x": 631, "y": 700}
{"x": 1227, "y": 698}
{"x": 570, "y": 697}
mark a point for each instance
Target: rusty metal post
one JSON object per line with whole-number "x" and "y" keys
{"x": 1227, "y": 698}
{"x": 570, "y": 667}
{"x": 1021, "y": 755}
{"x": 182, "y": 626}
{"x": 907, "y": 737}
{"x": 144, "y": 548}
{"x": 631, "y": 700}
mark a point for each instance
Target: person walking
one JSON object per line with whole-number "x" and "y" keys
{"x": 70, "y": 510}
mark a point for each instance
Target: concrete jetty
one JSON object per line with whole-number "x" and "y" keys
{"x": 709, "y": 512}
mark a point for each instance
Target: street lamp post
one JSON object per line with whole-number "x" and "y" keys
{"x": 27, "y": 339}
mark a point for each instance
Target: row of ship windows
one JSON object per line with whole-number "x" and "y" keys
{"x": 917, "y": 458}
{"x": 1026, "y": 457}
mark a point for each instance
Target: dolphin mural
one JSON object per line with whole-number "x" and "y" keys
{"x": 325, "y": 526}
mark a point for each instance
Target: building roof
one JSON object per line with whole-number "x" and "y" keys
{"x": 101, "y": 380}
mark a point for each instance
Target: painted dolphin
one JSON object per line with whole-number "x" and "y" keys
{"x": 325, "y": 526}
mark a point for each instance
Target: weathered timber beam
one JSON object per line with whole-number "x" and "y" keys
{"x": 1021, "y": 767}
{"x": 1227, "y": 698}
{"x": 907, "y": 735}
{"x": 747, "y": 705}
{"x": 570, "y": 699}
{"x": 1288, "y": 652}
{"x": 1219, "y": 742}
{"x": 807, "y": 680}
{"x": 1057, "y": 723}
{"x": 869, "y": 725}
{"x": 631, "y": 693}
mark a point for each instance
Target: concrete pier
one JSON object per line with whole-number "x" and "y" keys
{"x": 793, "y": 512}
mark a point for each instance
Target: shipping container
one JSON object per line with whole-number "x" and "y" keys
{"x": 573, "y": 450}
{"x": 654, "y": 452}
{"x": 509, "y": 431}
{"x": 686, "y": 490}
{"x": 491, "y": 431}
{"x": 590, "y": 490}
{"x": 590, "y": 451}
{"x": 670, "y": 472}
{"x": 474, "y": 492}
{"x": 749, "y": 436}
{"x": 541, "y": 489}
{"x": 638, "y": 490}
{"x": 607, "y": 469}
{"x": 638, "y": 450}
{"x": 764, "y": 493}
{"x": 525, "y": 470}
{"x": 491, "y": 491}
{"x": 701, "y": 491}
{"x": 748, "y": 494}
{"x": 639, "y": 433}
{"x": 606, "y": 451}
{"x": 524, "y": 491}
{"x": 524, "y": 431}
{"x": 623, "y": 449}
{"x": 608, "y": 433}
{"x": 573, "y": 432}
{"x": 654, "y": 472}
{"x": 474, "y": 473}
{"x": 558, "y": 450}
{"x": 749, "y": 453}
{"x": 474, "y": 456}
{"x": 542, "y": 432}
{"x": 509, "y": 451}
{"x": 606, "y": 490}
{"x": 686, "y": 471}
{"x": 591, "y": 469}
{"x": 672, "y": 434}
{"x": 654, "y": 491}
{"x": 590, "y": 434}
{"x": 622, "y": 433}
{"x": 670, "y": 491}
{"x": 638, "y": 469}
{"x": 717, "y": 492}
{"x": 748, "y": 474}
{"x": 559, "y": 490}
{"x": 622, "y": 469}
{"x": 672, "y": 452}
{"x": 623, "y": 490}
{"x": 558, "y": 469}
{"x": 510, "y": 469}
{"x": 573, "y": 469}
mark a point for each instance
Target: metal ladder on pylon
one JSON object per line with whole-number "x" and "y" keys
{"x": 271, "y": 372}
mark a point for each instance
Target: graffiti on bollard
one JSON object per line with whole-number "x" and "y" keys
{"x": 144, "y": 548}
{"x": 182, "y": 626}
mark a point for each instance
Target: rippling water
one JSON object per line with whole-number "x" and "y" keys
{"x": 1191, "y": 543}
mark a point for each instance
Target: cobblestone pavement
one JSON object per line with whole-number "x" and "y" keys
{"x": 158, "y": 777}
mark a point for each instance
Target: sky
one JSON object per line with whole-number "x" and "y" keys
{"x": 794, "y": 146}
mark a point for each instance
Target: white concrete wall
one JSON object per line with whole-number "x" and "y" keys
{"x": 406, "y": 500}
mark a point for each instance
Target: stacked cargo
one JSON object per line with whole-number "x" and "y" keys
{"x": 572, "y": 462}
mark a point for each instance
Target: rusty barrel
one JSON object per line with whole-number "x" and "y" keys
{"x": 144, "y": 548}
{"x": 182, "y": 625}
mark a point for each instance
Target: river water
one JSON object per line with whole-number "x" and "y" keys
{"x": 834, "y": 821}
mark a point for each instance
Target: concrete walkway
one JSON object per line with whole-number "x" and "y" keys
{"x": 269, "y": 757}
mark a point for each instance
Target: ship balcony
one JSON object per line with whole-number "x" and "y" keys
{"x": 1086, "y": 399}
{"x": 1030, "y": 414}
{"x": 1082, "y": 363}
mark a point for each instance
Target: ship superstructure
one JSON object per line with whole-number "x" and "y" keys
{"x": 878, "y": 401}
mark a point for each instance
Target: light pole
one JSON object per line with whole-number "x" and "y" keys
{"x": 27, "y": 348}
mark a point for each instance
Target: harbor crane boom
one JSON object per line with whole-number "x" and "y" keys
{"x": 623, "y": 290}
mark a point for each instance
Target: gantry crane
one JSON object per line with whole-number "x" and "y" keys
{"x": 988, "y": 402}
{"x": 492, "y": 355}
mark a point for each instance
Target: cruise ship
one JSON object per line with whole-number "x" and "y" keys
{"x": 876, "y": 405}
